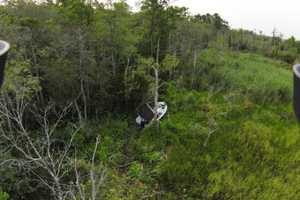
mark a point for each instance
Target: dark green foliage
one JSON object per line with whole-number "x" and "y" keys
{"x": 241, "y": 149}
{"x": 4, "y": 196}
{"x": 229, "y": 133}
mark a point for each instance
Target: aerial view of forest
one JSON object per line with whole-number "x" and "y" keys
{"x": 103, "y": 102}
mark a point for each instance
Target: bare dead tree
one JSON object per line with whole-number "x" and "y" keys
{"x": 97, "y": 176}
{"x": 156, "y": 93}
{"x": 38, "y": 150}
{"x": 81, "y": 71}
{"x": 156, "y": 86}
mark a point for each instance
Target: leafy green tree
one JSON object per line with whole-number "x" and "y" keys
{"x": 19, "y": 81}
{"x": 169, "y": 64}
{"x": 156, "y": 27}
{"x": 215, "y": 20}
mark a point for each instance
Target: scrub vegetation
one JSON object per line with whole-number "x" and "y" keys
{"x": 77, "y": 71}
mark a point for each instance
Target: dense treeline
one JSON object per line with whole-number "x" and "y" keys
{"x": 93, "y": 50}
{"x": 78, "y": 70}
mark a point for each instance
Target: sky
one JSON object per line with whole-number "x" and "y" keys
{"x": 254, "y": 15}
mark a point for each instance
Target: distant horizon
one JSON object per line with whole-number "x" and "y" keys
{"x": 255, "y": 15}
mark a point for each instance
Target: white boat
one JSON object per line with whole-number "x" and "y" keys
{"x": 4, "y": 47}
{"x": 146, "y": 113}
{"x": 161, "y": 110}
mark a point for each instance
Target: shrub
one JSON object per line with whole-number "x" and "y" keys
{"x": 4, "y": 196}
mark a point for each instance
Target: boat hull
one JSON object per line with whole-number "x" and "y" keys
{"x": 161, "y": 111}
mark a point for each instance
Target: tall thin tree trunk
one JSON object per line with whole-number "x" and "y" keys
{"x": 114, "y": 65}
{"x": 59, "y": 193}
{"x": 158, "y": 51}
{"x": 194, "y": 67}
{"x": 156, "y": 93}
{"x": 126, "y": 80}
{"x": 82, "y": 83}
{"x": 92, "y": 171}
